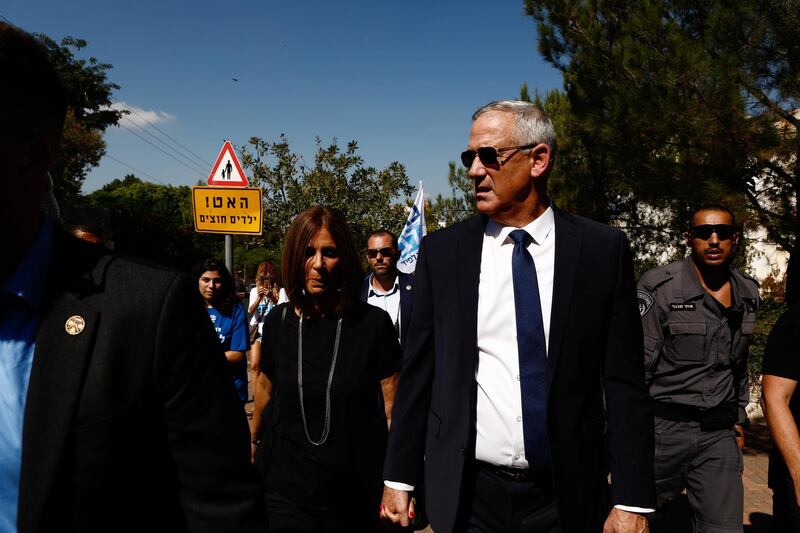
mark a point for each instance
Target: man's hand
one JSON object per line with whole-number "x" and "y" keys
{"x": 620, "y": 521}
{"x": 396, "y": 507}
{"x": 739, "y": 430}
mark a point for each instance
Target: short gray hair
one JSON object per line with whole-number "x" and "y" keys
{"x": 533, "y": 126}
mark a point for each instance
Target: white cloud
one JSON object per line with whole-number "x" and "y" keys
{"x": 139, "y": 118}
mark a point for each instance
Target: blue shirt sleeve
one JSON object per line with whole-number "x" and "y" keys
{"x": 239, "y": 334}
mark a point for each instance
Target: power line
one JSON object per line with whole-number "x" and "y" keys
{"x": 132, "y": 110}
{"x": 159, "y": 148}
{"x": 136, "y": 169}
{"x": 189, "y": 161}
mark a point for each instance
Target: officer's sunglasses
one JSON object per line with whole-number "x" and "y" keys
{"x": 704, "y": 231}
{"x": 372, "y": 253}
{"x": 488, "y": 154}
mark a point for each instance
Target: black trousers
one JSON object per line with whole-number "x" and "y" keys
{"x": 495, "y": 503}
{"x": 284, "y": 516}
{"x": 785, "y": 512}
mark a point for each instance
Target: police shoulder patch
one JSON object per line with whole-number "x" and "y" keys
{"x": 645, "y": 300}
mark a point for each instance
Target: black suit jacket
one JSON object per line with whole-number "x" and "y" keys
{"x": 131, "y": 424}
{"x": 595, "y": 366}
{"x": 406, "y": 283}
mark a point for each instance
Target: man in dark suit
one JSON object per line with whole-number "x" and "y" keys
{"x": 386, "y": 287}
{"x": 524, "y": 361}
{"x": 118, "y": 413}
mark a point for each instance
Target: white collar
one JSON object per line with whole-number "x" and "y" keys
{"x": 539, "y": 228}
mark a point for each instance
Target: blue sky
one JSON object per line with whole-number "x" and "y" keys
{"x": 401, "y": 78}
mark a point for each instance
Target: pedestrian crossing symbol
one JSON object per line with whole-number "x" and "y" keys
{"x": 227, "y": 170}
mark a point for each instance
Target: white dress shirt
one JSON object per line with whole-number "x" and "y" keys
{"x": 388, "y": 301}
{"x": 499, "y": 408}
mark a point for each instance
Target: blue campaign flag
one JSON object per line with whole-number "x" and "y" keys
{"x": 412, "y": 234}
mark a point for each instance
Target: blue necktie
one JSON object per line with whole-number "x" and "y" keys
{"x": 532, "y": 352}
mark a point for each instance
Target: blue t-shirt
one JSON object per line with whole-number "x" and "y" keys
{"x": 233, "y": 335}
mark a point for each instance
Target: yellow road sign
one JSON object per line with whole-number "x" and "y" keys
{"x": 229, "y": 210}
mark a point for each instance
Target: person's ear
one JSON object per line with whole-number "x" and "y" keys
{"x": 539, "y": 157}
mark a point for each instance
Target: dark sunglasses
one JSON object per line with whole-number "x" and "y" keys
{"x": 704, "y": 231}
{"x": 488, "y": 154}
{"x": 372, "y": 253}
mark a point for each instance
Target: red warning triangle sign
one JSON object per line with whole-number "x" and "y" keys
{"x": 227, "y": 170}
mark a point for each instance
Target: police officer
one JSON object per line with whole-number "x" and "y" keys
{"x": 698, "y": 316}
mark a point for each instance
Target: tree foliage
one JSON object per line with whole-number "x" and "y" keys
{"x": 152, "y": 221}
{"x": 445, "y": 211}
{"x": 673, "y": 102}
{"x": 89, "y": 114}
{"x": 338, "y": 178}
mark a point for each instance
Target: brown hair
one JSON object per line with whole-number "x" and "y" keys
{"x": 303, "y": 229}
{"x": 266, "y": 269}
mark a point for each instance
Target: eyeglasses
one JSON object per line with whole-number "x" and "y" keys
{"x": 488, "y": 154}
{"x": 704, "y": 231}
{"x": 372, "y": 253}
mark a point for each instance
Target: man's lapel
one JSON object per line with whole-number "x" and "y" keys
{"x": 405, "y": 287}
{"x": 468, "y": 253}
{"x": 567, "y": 252}
{"x": 63, "y": 350}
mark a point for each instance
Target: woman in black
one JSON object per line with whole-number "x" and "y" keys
{"x": 329, "y": 366}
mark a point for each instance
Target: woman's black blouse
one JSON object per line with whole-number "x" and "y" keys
{"x": 351, "y": 459}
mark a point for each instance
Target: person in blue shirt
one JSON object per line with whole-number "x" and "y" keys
{"x": 228, "y": 316}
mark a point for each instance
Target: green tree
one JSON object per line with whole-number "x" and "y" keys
{"x": 89, "y": 99}
{"x": 153, "y": 221}
{"x": 674, "y": 102}
{"x": 445, "y": 211}
{"x": 367, "y": 196}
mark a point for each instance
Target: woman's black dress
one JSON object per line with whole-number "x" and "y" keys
{"x": 337, "y": 484}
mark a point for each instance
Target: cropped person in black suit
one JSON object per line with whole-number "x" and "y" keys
{"x": 122, "y": 413}
{"x": 523, "y": 362}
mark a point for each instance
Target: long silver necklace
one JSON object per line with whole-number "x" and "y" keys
{"x": 326, "y": 427}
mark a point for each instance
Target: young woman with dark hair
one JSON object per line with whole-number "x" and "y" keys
{"x": 228, "y": 316}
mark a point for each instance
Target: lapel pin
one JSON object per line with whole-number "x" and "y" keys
{"x": 408, "y": 287}
{"x": 75, "y": 325}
